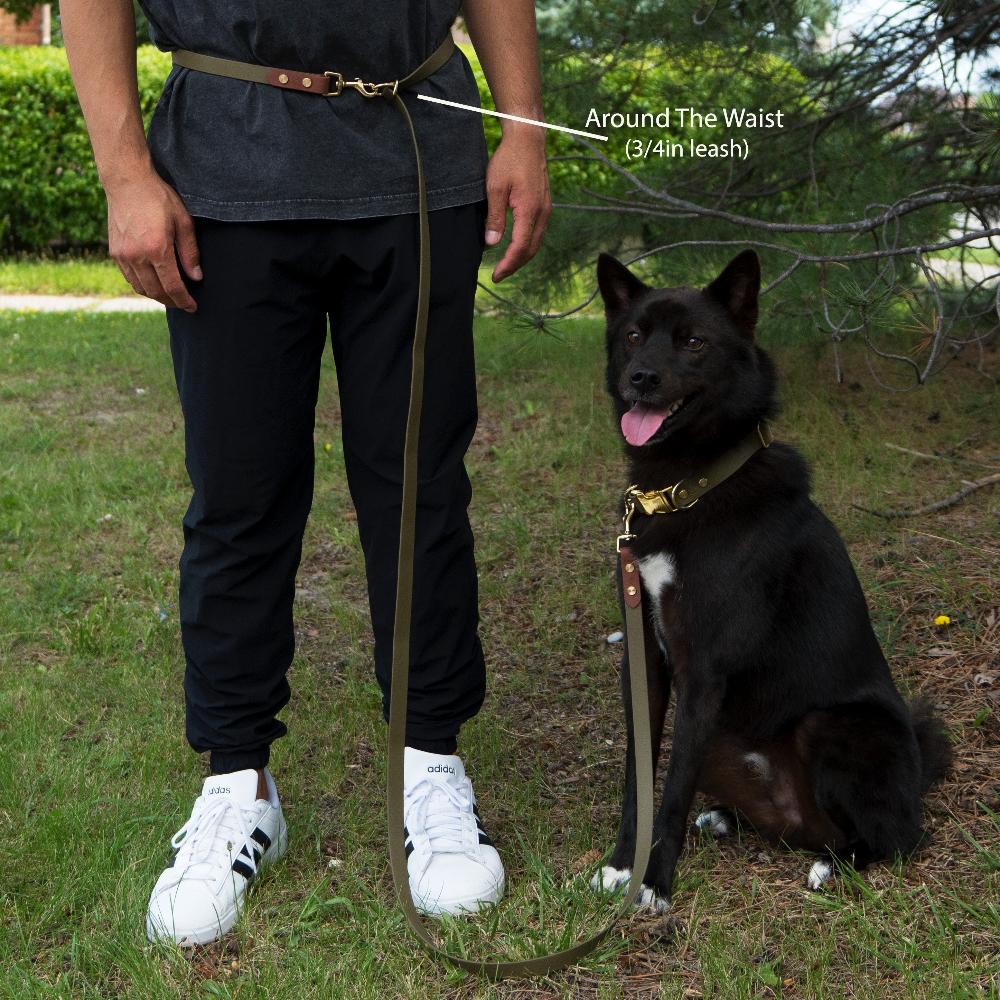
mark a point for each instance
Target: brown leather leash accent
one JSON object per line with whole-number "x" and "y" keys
{"x": 332, "y": 84}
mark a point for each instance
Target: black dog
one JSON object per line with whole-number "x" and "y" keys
{"x": 786, "y": 712}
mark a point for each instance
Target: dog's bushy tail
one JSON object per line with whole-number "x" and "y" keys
{"x": 935, "y": 749}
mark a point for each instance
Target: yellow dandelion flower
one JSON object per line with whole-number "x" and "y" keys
{"x": 942, "y": 620}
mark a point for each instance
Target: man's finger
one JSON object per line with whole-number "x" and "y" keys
{"x": 187, "y": 247}
{"x": 174, "y": 289}
{"x": 151, "y": 283}
{"x": 128, "y": 272}
{"x": 518, "y": 252}
{"x": 541, "y": 224}
{"x": 496, "y": 216}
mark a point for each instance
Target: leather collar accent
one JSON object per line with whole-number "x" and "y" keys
{"x": 687, "y": 492}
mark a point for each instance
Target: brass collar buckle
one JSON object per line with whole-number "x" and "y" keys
{"x": 365, "y": 89}
{"x": 669, "y": 500}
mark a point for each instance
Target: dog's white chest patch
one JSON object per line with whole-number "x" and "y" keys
{"x": 658, "y": 572}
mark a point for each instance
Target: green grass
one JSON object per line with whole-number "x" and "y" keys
{"x": 95, "y": 775}
{"x": 983, "y": 255}
{"x": 91, "y": 275}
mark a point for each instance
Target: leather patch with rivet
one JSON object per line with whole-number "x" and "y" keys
{"x": 631, "y": 588}
{"x": 308, "y": 83}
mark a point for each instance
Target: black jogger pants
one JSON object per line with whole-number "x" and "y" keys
{"x": 247, "y": 366}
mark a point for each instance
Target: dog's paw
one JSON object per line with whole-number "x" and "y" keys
{"x": 714, "y": 821}
{"x": 609, "y": 879}
{"x": 649, "y": 899}
{"x": 818, "y": 874}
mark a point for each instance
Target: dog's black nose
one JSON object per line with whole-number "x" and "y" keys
{"x": 644, "y": 379}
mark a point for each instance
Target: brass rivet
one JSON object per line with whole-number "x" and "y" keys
{"x": 703, "y": 482}
{"x": 631, "y": 591}
{"x": 629, "y": 568}
{"x": 307, "y": 81}
{"x": 282, "y": 78}
{"x": 683, "y": 494}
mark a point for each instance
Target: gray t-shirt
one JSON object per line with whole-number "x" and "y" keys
{"x": 241, "y": 151}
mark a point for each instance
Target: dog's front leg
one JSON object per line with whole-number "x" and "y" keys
{"x": 696, "y": 718}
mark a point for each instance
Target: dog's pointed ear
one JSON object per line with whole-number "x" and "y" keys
{"x": 619, "y": 286}
{"x": 737, "y": 288}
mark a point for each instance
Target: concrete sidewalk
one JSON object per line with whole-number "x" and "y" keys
{"x": 79, "y": 303}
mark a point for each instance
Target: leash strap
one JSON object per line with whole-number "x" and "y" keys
{"x": 332, "y": 84}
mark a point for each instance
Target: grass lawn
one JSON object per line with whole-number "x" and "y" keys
{"x": 982, "y": 255}
{"x": 89, "y": 275}
{"x": 95, "y": 775}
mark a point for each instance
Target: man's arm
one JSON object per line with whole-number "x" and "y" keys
{"x": 148, "y": 225}
{"x": 503, "y": 33}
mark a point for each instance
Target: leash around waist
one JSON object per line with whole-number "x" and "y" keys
{"x": 332, "y": 84}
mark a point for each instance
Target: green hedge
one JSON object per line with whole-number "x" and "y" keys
{"x": 49, "y": 191}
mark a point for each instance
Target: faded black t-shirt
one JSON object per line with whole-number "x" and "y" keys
{"x": 242, "y": 151}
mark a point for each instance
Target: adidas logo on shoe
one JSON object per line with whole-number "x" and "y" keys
{"x": 440, "y": 769}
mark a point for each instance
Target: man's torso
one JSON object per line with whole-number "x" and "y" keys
{"x": 243, "y": 151}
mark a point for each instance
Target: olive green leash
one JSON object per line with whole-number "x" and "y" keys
{"x": 328, "y": 83}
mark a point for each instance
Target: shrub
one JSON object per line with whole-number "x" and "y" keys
{"x": 49, "y": 192}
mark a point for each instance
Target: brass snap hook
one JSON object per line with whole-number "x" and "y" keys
{"x": 363, "y": 87}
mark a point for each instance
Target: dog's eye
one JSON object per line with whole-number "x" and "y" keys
{"x": 694, "y": 343}
{"x": 633, "y": 336}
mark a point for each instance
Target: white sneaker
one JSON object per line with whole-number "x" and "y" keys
{"x": 230, "y": 836}
{"x": 452, "y": 863}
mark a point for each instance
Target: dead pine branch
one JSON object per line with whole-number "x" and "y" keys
{"x": 930, "y": 508}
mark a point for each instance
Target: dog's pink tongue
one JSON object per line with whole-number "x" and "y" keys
{"x": 641, "y": 423}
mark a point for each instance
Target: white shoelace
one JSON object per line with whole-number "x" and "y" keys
{"x": 441, "y": 813}
{"x": 209, "y": 841}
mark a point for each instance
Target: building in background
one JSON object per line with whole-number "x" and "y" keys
{"x": 36, "y": 30}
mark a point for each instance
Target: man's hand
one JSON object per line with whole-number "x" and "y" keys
{"x": 148, "y": 230}
{"x": 517, "y": 177}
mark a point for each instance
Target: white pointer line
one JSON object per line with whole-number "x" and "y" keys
{"x": 513, "y": 118}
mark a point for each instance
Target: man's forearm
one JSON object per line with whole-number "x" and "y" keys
{"x": 503, "y": 33}
{"x": 100, "y": 45}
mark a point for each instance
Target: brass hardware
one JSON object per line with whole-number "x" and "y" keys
{"x": 679, "y": 497}
{"x": 631, "y": 591}
{"x": 282, "y": 78}
{"x": 626, "y": 535}
{"x": 629, "y": 567}
{"x": 307, "y": 81}
{"x": 364, "y": 88}
{"x": 703, "y": 482}
{"x": 337, "y": 83}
